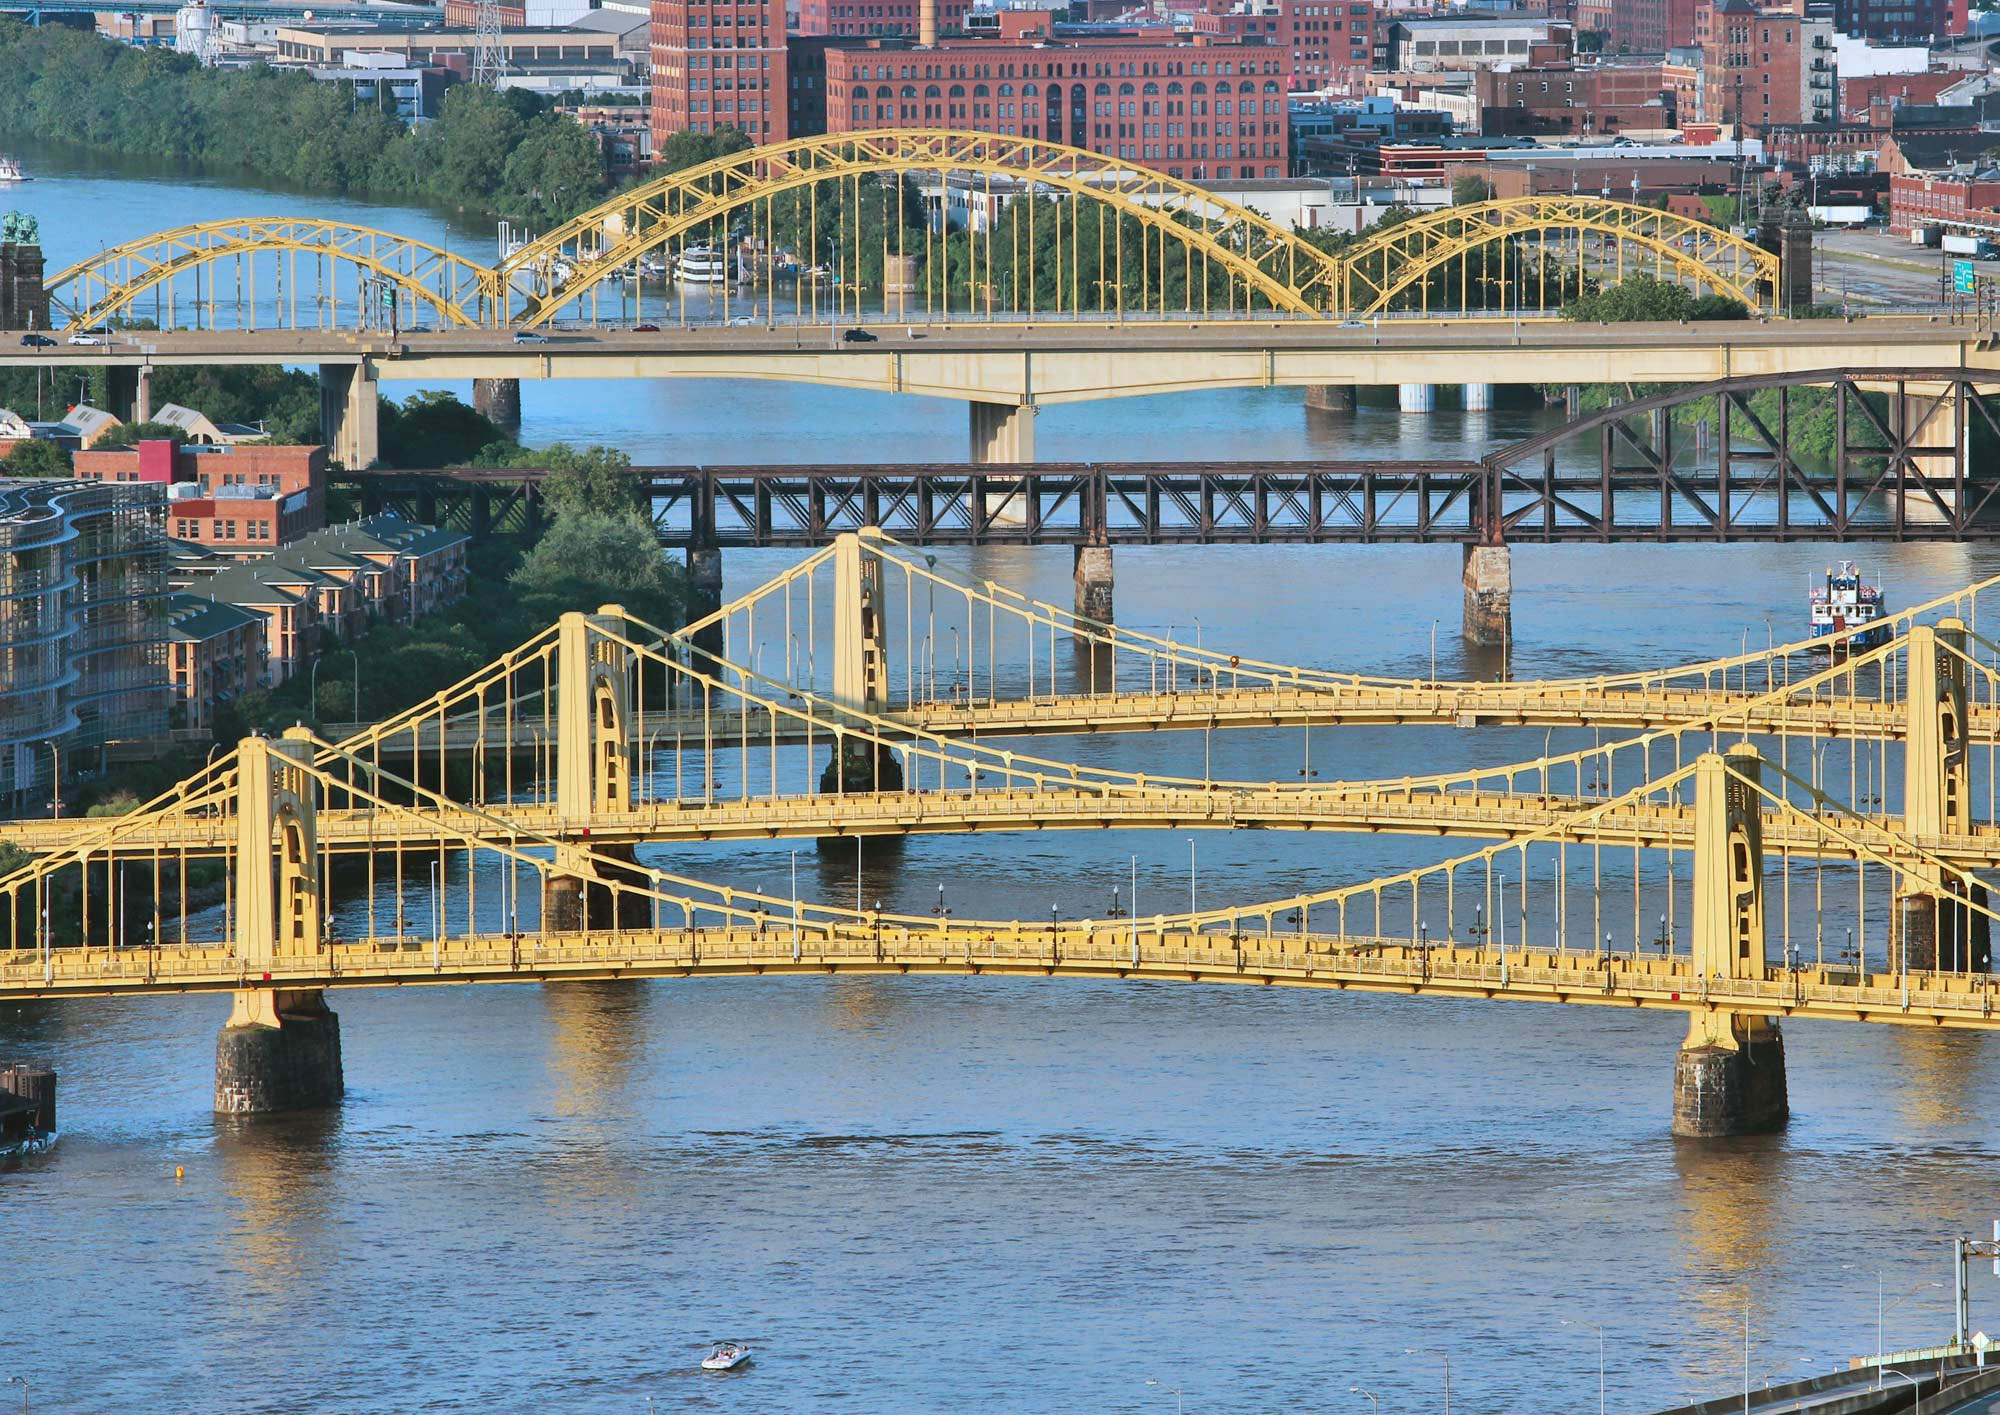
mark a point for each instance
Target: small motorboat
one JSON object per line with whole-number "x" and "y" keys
{"x": 727, "y": 1356}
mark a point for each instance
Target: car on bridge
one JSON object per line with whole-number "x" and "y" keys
{"x": 38, "y": 341}
{"x": 858, "y": 336}
{"x": 530, "y": 336}
{"x": 85, "y": 338}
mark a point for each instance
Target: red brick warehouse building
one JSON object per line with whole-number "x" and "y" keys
{"x": 1197, "y": 110}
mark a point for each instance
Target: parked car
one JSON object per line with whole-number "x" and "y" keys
{"x": 858, "y": 336}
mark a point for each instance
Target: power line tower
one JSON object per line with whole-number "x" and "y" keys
{"x": 487, "y": 62}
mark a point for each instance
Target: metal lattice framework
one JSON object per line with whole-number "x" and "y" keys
{"x": 1182, "y": 227}
{"x": 106, "y": 286}
{"x": 1273, "y": 263}
{"x": 1393, "y": 261}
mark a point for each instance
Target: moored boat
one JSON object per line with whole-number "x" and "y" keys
{"x": 10, "y": 171}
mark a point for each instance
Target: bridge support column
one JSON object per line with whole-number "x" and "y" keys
{"x": 1487, "y": 574}
{"x": 350, "y": 414}
{"x": 1003, "y": 433}
{"x": 1093, "y": 574}
{"x": 573, "y": 901}
{"x": 1416, "y": 397}
{"x": 1330, "y": 397}
{"x": 1931, "y": 923}
{"x": 860, "y": 659}
{"x": 593, "y": 739}
{"x": 704, "y": 575}
{"x": 1729, "y": 1078}
{"x": 128, "y": 390}
{"x": 280, "y": 1049}
{"x": 1478, "y": 397}
{"x": 498, "y": 400}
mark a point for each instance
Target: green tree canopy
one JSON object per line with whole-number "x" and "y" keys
{"x": 128, "y": 434}
{"x": 586, "y": 556}
{"x": 1469, "y": 188}
{"x": 433, "y": 429}
{"x": 39, "y": 458}
{"x": 1635, "y": 298}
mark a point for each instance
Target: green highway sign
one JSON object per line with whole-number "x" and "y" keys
{"x": 1962, "y": 277}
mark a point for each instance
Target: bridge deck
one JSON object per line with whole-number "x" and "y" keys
{"x": 1467, "y": 815}
{"x": 1074, "y": 951}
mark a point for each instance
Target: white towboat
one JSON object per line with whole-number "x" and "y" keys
{"x": 10, "y": 171}
{"x": 727, "y": 1356}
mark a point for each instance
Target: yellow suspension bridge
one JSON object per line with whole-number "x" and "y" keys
{"x": 1752, "y": 809}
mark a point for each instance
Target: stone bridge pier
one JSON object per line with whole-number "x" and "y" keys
{"x": 1487, "y": 574}
{"x": 350, "y": 414}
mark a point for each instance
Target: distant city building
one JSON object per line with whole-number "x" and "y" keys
{"x": 1199, "y": 111}
{"x": 1764, "y": 65}
{"x": 1430, "y": 45}
{"x": 1919, "y": 21}
{"x": 719, "y": 65}
{"x": 871, "y": 19}
{"x": 238, "y": 498}
{"x": 82, "y": 622}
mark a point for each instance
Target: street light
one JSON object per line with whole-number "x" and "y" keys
{"x": 1586, "y": 1322}
{"x": 1190, "y": 874}
{"x": 24, "y": 1391}
{"x": 1175, "y": 1389}
{"x": 55, "y": 806}
{"x": 1880, "y": 1311}
{"x": 1372, "y": 1398}
{"x": 1445, "y": 1356}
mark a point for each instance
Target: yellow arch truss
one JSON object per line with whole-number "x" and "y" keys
{"x": 1390, "y": 268}
{"x": 1393, "y": 261}
{"x": 567, "y": 261}
{"x": 105, "y": 286}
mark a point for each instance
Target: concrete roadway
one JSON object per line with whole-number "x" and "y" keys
{"x": 903, "y": 356}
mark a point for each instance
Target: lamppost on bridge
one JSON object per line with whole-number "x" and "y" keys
{"x": 1175, "y": 1389}
{"x": 1586, "y": 1322}
{"x": 1444, "y": 1356}
{"x": 1374, "y": 1401}
{"x": 1191, "y": 906}
{"x": 24, "y": 1391}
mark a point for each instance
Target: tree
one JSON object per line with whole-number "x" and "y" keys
{"x": 38, "y": 458}
{"x": 1635, "y": 298}
{"x": 1718, "y": 307}
{"x": 1469, "y": 188}
{"x": 595, "y": 479}
{"x": 588, "y": 558}
{"x": 129, "y": 434}
{"x": 433, "y": 429}
{"x": 555, "y": 172}
{"x": 691, "y": 149}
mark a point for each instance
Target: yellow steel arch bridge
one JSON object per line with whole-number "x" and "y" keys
{"x": 818, "y": 226}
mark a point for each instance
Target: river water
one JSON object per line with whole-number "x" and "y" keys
{"x": 929, "y": 1195}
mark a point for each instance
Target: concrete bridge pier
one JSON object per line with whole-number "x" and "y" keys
{"x": 279, "y": 1051}
{"x": 1730, "y": 1085}
{"x": 1416, "y": 397}
{"x": 1003, "y": 433}
{"x": 350, "y": 414}
{"x": 129, "y": 392}
{"x": 498, "y": 400}
{"x": 573, "y": 903}
{"x": 1329, "y": 398}
{"x": 1092, "y": 571}
{"x": 1487, "y": 573}
{"x": 1478, "y": 397}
